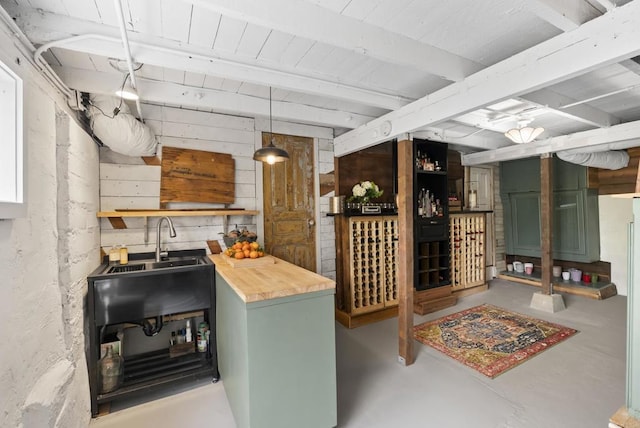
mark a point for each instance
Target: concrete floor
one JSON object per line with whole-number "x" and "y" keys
{"x": 577, "y": 383}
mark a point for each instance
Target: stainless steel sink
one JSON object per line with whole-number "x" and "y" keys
{"x": 144, "y": 288}
{"x": 151, "y": 264}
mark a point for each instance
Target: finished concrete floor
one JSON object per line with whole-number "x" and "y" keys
{"x": 578, "y": 383}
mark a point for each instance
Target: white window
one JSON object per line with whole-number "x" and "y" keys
{"x": 12, "y": 156}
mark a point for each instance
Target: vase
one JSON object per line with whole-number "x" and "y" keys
{"x": 110, "y": 371}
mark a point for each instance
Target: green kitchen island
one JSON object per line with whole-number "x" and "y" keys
{"x": 276, "y": 343}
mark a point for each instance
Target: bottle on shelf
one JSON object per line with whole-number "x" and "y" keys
{"x": 188, "y": 338}
{"x": 426, "y": 203}
{"x": 433, "y": 208}
{"x": 421, "y": 203}
{"x": 111, "y": 371}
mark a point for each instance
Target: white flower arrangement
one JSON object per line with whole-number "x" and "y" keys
{"x": 365, "y": 191}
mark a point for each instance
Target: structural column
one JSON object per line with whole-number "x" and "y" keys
{"x": 546, "y": 300}
{"x": 405, "y": 251}
{"x": 546, "y": 221}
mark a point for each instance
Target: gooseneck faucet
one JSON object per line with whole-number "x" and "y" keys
{"x": 172, "y": 234}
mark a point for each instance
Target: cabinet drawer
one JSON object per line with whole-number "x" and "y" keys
{"x": 433, "y": 229}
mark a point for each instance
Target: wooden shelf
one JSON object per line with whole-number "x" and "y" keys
{"x": 117, "y": 222}
{"x": 175, "y": 213}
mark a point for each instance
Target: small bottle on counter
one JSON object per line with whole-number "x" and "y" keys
{"x": 124, "y": 255}
{"x": 114, "y": 255}
{"x": 173, "y": 340}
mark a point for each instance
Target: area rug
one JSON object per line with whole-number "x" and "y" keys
{"x": 490, "y": 339}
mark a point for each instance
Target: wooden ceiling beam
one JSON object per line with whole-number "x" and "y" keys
{"x": 311, "y": 21}
{"x": 566, "y": 15}
{"x": 45, "y": 27}
{"x": 220, "y": 101}
{"x": 600, "y": 42}
{"x": 581, "y": 113}
{"x": 586, "y": 140}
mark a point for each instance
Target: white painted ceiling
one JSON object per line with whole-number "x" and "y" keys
{"x": 358, "y": 65}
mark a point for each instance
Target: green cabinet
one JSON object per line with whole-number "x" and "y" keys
{"x": 277, "y": 358}
{"x": 576, "y": 235}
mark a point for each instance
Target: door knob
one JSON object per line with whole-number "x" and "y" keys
{"x": 311, "y": 222}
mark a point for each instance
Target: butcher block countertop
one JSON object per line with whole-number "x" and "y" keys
{"x": 269, "y": 281}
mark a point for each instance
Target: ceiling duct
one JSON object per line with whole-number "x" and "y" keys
{"x": 112, "y": 122}
{"x": 612, "y": 159}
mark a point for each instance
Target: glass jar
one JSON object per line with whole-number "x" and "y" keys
{"x": 110, "y": 371}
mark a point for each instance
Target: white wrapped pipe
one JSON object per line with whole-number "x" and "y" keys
{"x": 612, "y": 159}
{"x": 122, "y": 133}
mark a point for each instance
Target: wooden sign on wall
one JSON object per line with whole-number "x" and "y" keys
{"x": 196, "y": 176}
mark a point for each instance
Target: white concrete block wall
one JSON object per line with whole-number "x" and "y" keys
{"x": 78, "y": 247}
{"x": 44, "y": 259}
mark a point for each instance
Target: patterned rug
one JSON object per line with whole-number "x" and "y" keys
{"x": 490, "y": 339}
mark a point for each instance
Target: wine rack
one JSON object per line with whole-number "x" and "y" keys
{"x": 373, "y": 246}
{"x": 467, "y": 239}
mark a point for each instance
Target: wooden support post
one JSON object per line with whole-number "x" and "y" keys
{"x": 405, "y": 251}
{"x": 546, "y": 221}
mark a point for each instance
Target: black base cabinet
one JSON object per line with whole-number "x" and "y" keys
{"x": 117, "y": 299}
{"x": 431, "y": 219}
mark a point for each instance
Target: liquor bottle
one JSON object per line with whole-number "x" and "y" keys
{"x": 439, "y": 208}
{"x": 421, "y": 203}
{"x": 434, "y": 209}
{"x": 426, "y": 204}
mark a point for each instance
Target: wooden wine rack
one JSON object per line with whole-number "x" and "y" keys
{"x": 467, "y": 239}
{"x": 373, "y": 246}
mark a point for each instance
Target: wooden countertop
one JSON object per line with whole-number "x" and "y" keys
{"x": 270, "y": 281}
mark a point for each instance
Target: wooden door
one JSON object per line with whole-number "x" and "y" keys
{"x": 289, "y": 202}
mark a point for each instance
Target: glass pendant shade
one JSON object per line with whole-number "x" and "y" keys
{"x": 270, "y": 154}
{"x": 523, "y": 135}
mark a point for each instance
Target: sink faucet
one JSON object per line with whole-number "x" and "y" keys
{"x": 172, "y": 234}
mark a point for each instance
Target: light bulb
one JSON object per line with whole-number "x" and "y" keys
{"x": 271, "y": 159}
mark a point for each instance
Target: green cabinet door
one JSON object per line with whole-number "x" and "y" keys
{"x": 522, "y": 223}
{"x": 568, "y": 225}
{"x": 576, "y": 235}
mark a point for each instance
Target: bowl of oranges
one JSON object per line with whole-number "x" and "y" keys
{"x": 244, "y": 250}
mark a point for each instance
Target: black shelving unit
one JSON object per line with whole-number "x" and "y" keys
{"x": 431, "y": 232}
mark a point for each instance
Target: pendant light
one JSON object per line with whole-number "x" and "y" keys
{"x": 270, "y": 154}
{"x": 524, "y": 133}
